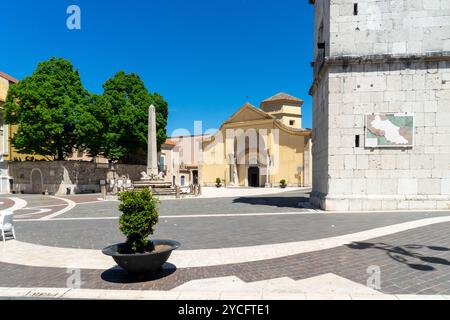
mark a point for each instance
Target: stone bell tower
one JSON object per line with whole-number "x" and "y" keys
{"x": 286, "y": 108}
{"x": 381, "y": 104}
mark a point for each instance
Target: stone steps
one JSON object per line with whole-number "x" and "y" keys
{"x": 153, "y": 184}
{"x": 156, "y": 187}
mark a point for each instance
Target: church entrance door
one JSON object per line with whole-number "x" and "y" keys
{"x": 253, "y": 177}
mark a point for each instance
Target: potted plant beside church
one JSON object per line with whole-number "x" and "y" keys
{"x": 139, "y": 255}
{"x": 283, "y": 184}
{"x": 218, "y": 182}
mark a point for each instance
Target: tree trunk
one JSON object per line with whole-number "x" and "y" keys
{"x": 60, "y": 155}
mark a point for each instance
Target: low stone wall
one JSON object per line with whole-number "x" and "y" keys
{"x": 67, "y": 177}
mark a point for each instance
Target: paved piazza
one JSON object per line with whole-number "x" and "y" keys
{"x": 274, "y": 242}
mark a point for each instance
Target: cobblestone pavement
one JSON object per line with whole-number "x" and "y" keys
{"x": 416, "y": 261}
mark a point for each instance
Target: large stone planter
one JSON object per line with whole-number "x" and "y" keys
{"x": 141, "y": 263}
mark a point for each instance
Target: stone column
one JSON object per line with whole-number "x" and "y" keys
{"x": 268, "y": 171}
{"x": 152, "y": 154}
{"x": 234, "y": 178}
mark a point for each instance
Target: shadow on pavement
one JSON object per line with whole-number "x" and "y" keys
{"x": 119, "y": 275}
{"x": 281, "y": 202}
{"x": 406, "y": 254}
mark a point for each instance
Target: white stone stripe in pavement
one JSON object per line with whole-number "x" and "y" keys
{"x": 29, "y": 254}
{"x": 218, "y": 215}
{"x": 70, "y": 205}
{"x": 186, "y": 216}
{"x": 67, "y": 293}
{"x": 328, "y": 283}
{"x": 18, "y": 204}
{"x": 39, "y": 211}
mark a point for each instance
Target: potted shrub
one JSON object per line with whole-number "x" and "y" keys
{"x": 218, "y": 182}
{"x": 139, "y": 216}
{"x": 283, "y": 184}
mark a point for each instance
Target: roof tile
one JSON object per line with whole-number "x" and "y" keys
{"x": 282, "y": 96}
{"x": 8, "y": 77}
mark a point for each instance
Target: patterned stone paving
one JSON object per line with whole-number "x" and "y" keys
{"x": 6, "y": 203}
{"x": 83, "y": 198}
{"x": 412, "y": 262}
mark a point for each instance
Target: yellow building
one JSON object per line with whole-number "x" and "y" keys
{"x": 5, "y": 130}
{"x": 5, "y": 134}
{"x": 260, "y": 147}
{"x": 8, "y": 152}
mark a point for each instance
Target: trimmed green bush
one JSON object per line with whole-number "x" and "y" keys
{"x": 283, "y": 183}
{"x": 218, "y": 182}
{"x": 139, "y": 216}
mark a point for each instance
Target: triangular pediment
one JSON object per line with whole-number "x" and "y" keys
{"x": 248, "y": 112}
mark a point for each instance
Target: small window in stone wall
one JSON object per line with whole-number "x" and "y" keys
{"x": 357, "y": 141}
{"x": 355, "y": 9}
{"x": 291, "y": 122}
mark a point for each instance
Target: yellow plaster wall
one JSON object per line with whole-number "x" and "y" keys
{"x": 13, "y": 155}
{"x": 4, "y": 86}
{"x": 286, "y": 120}
{"x": 291, "y": 149}
{"x": 11, "y": 129}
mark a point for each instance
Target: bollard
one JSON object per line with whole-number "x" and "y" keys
{"x": 103, "y": 188}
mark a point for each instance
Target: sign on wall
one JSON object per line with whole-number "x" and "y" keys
{"x": 386, "y": 130}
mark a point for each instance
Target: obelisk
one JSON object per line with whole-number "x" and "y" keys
{"x": 152, "y": 153}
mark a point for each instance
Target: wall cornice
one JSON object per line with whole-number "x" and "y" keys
{"x": 377, "y": 59}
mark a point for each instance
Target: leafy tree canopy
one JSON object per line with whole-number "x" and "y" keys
{"x": 129, "y": 101}
{"x": 46, "y": 107}
{"x": 55, "y": 114}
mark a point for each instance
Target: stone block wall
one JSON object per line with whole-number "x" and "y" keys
{"x": 361, "y": 178}
{"x": 388, "y": 27}
{"x": 322, "y": 25}
{"x": 381, "y": 56}
{"x": 320, "y": 139}
{"x": 63, "y": 177}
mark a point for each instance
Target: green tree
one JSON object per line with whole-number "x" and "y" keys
{"x": 46, "y": 107}
{"x": 128, "y": 101}
{"x": 92, "y": 126}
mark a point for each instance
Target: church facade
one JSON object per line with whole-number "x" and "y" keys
{"x": 259, "y": 147}
{"x": 381, "y": 105}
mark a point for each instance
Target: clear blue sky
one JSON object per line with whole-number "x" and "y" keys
{"x": 204, "y": 56}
